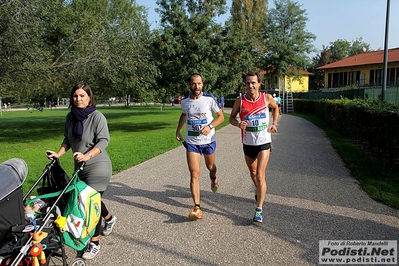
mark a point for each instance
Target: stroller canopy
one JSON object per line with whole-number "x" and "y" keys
{"x": 12, "y": 175}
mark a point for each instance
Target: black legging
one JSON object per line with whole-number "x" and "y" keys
{"x": 104, "y": 213}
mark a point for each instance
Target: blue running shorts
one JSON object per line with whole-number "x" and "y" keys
{"x": 207, "y": 149}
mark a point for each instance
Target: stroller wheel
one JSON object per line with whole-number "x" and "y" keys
{"x": 78, "y": 262}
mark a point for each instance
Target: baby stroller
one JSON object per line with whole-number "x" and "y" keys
{"x": 35, "y": 241}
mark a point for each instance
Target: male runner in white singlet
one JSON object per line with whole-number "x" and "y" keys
{"x": 198, "y": 110}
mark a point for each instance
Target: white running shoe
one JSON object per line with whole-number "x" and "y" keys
{"x": 91, "y": 251}
{"x": 109, "y": 226}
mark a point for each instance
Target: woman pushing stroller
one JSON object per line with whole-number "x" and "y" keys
{"x": 86, "y": 133}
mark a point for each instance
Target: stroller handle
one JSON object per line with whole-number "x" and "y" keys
{"x": 47, "y": 169}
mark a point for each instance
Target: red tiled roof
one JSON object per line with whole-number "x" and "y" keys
{"x": 368, "y": 58}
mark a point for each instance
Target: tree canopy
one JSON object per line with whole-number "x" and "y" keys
{"x": 47, "y": 48}
{"x": 289, "y": 43}
{"x": 189, "y": 41}
{"x": 246, "y": 36}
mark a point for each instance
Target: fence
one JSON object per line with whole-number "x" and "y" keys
{"x": 391, "y": 94}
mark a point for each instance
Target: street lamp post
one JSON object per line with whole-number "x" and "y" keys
{"x": 385, "y": 71}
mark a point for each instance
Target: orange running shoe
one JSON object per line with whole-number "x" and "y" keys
{"x": 195, "y": 213}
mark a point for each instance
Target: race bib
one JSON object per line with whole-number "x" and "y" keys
{"x": 256, "y": 123}
{"x": 194, "y": 126}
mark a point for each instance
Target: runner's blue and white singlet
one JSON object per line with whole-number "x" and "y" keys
{"x": 199, "y": 114}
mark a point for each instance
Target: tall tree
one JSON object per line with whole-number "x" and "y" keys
{"x": 316, "y": 81}
{"x": 188, "y": 40}
{"x": 23, "y": 59}
{"x": 358, "y": 46}
{"x": 288, "y": 41}
{"x": 248, "y": 17}
{"x": 341, "y": 48}
{"x": 45, "y": 49}
{"x": 102, "y": 44}
{"x": 126, "y": 67}
{"x": 246, "y": 36}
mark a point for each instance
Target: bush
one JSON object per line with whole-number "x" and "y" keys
{"x": 230, "y": 99}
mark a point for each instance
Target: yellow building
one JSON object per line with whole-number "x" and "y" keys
{"x": 365, "y": 69}
{"x": 291, "y": 84}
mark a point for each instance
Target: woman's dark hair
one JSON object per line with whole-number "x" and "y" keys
{"x": 87, "y": 89}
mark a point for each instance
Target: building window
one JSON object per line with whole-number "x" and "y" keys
{"x": 371, "y": 81}
{"x": 354, "y": 77}
{"x": 397, "y": 76}
{"x": 335, "y": 80}
{"x": 345, "y": 80}
{"x": 391, "y": 77}
{"x": 378, "y": 77}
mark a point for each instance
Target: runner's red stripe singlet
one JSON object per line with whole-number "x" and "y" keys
{"x": 257, "y": 114}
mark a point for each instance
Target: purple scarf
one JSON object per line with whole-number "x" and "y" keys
{"x": 77, "y": 117}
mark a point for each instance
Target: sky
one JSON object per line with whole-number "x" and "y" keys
{"x": 331, "y": 20}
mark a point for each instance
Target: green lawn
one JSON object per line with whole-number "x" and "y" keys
{"x": 138, "y": 133}
{"x": 141, "y": 132}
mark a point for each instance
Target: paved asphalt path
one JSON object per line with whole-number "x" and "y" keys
{"x": 311, "y": 196}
